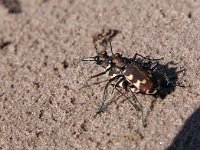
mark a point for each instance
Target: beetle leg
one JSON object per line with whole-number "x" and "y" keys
{"x": 171, "y": 63}
{"x": 134, "y": 104}
{"x": 105, "y": 105}
{"x": 141, "y": 109}
{"x": 147, "y": 58}
{"x": 92, "y": 84}
{"x": 99, "y": 74}
{"x": 94, "y": 76}
{"x": 117, "y": 84}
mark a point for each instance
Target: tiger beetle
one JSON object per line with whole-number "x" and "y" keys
{"x": 138, "y": 75}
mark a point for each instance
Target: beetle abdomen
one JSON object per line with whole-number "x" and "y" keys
{"x": 139, "y": 79}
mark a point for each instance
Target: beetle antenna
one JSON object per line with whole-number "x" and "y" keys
{"x": 111, "y": 48}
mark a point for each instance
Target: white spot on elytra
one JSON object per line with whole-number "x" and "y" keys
{"x": 137, "y": 84}
{"x": 130, "y": 77}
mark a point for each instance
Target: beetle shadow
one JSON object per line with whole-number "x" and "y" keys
{"x": 165, "y": 76}
{"x": 189, "y": 137}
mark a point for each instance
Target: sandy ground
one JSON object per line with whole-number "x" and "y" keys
{"x": 41, "y": 106}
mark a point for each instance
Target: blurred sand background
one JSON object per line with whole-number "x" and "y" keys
{"x": 41, "y": 106}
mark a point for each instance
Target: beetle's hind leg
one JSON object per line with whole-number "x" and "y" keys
{"x": 105, "y": 104}
{"x": 135, "y": 103}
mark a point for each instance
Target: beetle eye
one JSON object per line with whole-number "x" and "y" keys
{"x": 117, "y": 55}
